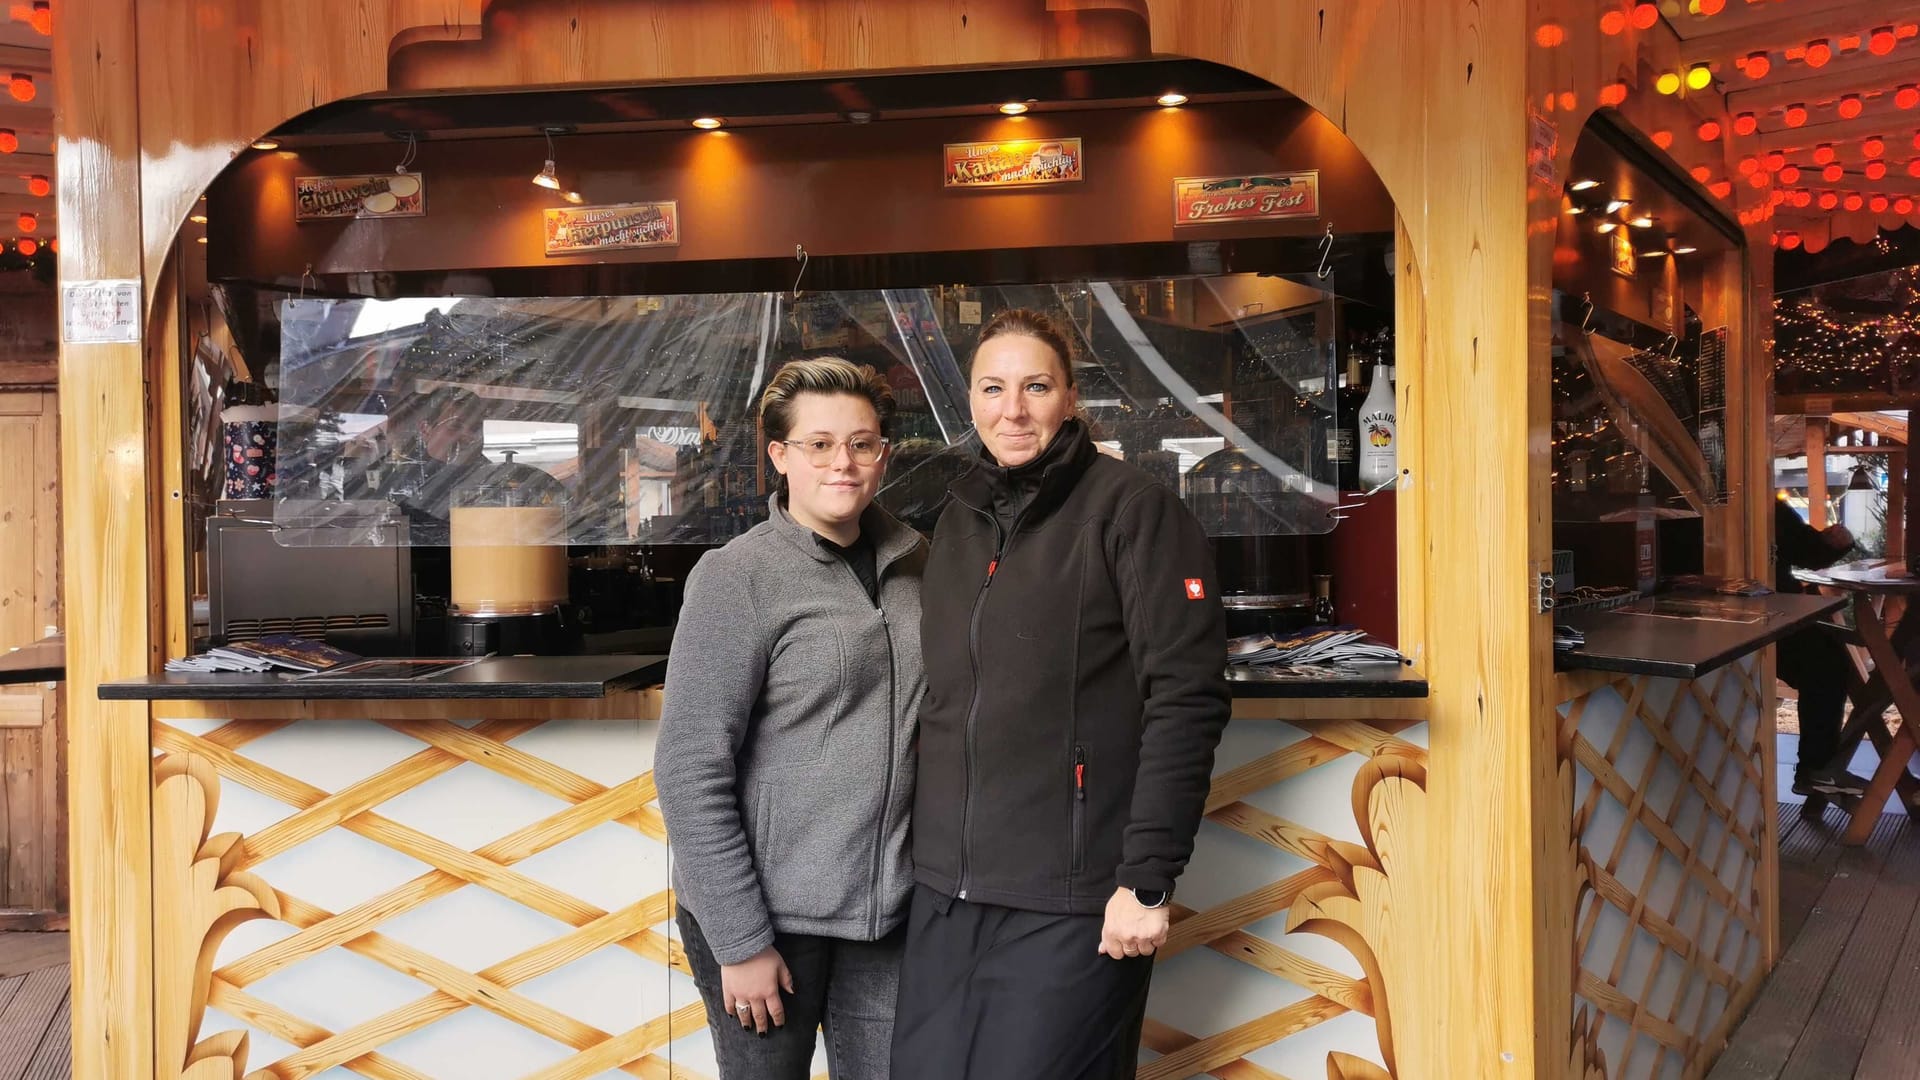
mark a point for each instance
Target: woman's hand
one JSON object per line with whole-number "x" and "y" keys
{"x": 1132, "y": 930}
{"x": 757, "y": 982}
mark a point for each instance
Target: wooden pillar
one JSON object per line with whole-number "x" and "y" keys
{"x": 1817, "y": 471}
{"x": 104, "y": 458}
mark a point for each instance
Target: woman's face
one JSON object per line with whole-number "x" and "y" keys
{"x": 1020, "y": 397}
{"x": 839, "y": 491}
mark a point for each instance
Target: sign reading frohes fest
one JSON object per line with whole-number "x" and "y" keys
{"x": 1208, "y": 200}
{"x": 1020, "y": 163}
{"x": 575, "y": 230}
{"x": 381, "y": 195}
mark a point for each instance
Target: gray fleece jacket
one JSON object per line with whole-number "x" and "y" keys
{"x": 785, "y": 762}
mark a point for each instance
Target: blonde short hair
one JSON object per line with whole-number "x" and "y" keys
{"x": 821, "y": 375}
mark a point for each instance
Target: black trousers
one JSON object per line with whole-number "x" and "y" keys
{"x": 992, "y": 993}
{"x": 1814, "y": 663}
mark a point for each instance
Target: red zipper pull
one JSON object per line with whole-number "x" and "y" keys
{"x": 991, "y": 567}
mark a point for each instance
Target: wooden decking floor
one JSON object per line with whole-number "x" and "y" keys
{"x": 1842, "y": 1000}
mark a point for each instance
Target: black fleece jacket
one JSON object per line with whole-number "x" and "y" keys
{"x": 1074, "y": 646}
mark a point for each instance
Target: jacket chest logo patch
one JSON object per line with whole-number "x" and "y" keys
{"x": 1195, "y": 590}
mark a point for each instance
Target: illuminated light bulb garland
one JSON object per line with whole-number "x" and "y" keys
{"x": 1796, "y": 115}
{"x": 1776, "y": 161}
{"x": 1757, "y": 65}
{"x": 1823, "y": 153}
{"x": 1853, "y": 201}
{"x": 1832, "y": 173}
{"x": 1849, "y": 106}
{"x": 1906, "y": 97}
{"x": 1873, "y": 146}
{"x": 1709, "y": 130}
{"x": 1663, "y": 139}
{"x": 1878, "y": 204}
{"x": 1746, "y": 124}
{"x": 1700, "y": 173}
{"x": 1818, "y": 53}
{"x": 1789, "y": 174}
{"x": 1876, "y": 170}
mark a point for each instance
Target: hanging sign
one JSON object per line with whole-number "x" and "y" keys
{"x": 1020, "y": 163}
{"x": 378, "y": 195}
{"x": 572, "y": 230}
{"x": 1207, "y": 200}
{"x": 92, "y": 312}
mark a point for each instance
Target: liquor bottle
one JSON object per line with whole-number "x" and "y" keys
{"x": 1378, "y": 445}
{"x": 1323, "y": 611}
{"x": 1342, "y": 448}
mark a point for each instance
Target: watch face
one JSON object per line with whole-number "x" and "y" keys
{"x": 1149, "y": 898}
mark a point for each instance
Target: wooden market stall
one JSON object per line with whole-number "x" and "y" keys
{"x": 1456, "y": 880}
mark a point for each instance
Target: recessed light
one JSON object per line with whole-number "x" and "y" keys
{"x": 1584, "y": 185}
{"x": 859, "y": 116}
{"x": 1655, "y": 254}
{"x": 1685, "y": 249}
{"x": 1644, "y": 221}
{"x": 709, "y": 123}
{"x": 1014, "y": 108}
{"x": 1172, "y": 98}
{"x": 197, "y": 219}
{"x": 1616, "y": 205}
{"x": 265, "y": 144}
{"x": 1607, "y": 226}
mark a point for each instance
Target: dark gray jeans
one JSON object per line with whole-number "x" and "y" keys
{"x": 847, "y": 988}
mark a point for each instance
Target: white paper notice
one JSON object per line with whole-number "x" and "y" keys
{"x": 100, "y": 311}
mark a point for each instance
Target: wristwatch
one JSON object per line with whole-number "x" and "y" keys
{"x": 1151, "y": 898}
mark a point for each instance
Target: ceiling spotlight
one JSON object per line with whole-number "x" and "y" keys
{"x": 1583, "y": 185}
{"x": 1172, "y": 98}
{"x": 1607, "y": 226}
{"x": 1663, "y": 139}
{"x": 1651, "y": 253}
{"x": 709, "y": 123}
{"x": 1614, "y": 206}
{"x": 573, "y": 197}
{"x": 546, "y": 177}
{"x": 265, "y": 144}
{"x": 197, "y": 219}
{"x": 1014, "y": 108}
{"x": 1699, "y": 77}
{"x": 1685, "y": 249}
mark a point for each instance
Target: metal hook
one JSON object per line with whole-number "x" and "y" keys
{"x": 413, "y": 147}
{"x": 800, "y": 253}
{"x": 1333, "y": 512}
{"x": 1326, "y": 252}
{"x": 305, "y": 276}
{"x": 1586, "y": 324}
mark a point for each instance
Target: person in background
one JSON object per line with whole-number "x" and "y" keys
{"x": 785, "y": 765}
{"x": 1813, "y": 661}
{"x": 1075, "y": 649}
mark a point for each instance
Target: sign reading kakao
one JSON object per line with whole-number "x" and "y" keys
{"x": 1208, "y": 200}
{"x": 380, "y": 195}
{"x": 1020, "y": 163}
{"x": 573, "y": 230}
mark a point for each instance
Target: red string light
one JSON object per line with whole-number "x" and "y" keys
{"x": 1613, "y": 23}
{"x": 1712, "y": 7}
{"x": 1853, "y": 201}
{"x": 1873, "y": 146}
{"x": 1881, "y": 41}
{"x": 1790, "y": 174}
{"x": 1823, "y": 153}
{"x": 1746, "y": 124}
{"x": 1613, "y": 93}
{"x": 1832, "y": 173}
{"x": 9, "y": 142}
{"x": 1709, "y": 130}
{"x": 1644, "y": 16}
{"x": 1828, "y": 200}
{"x": 1700, "y": 173}
{"x": 1663, "y": 139}
{"x": 21, "y": 87}
{"x": 1759, "y": 179}
{"x": 1776, "y": 161}
{"x": 1906, "y": 97}
{"x": 1796, "y": 115}
{"x": 1749, "y": 166}
{"x": 1913, "y": 167}
{"x": 1757, "y": 65}
{"x": 1818, "y": 53}
{"x": 1876, "y": 170}
{"x": 1877, "y": 204}
{"x": 1903, "y": 206}
{"x": 1803, "y": 198}
{"x": 1789, "y": 240}
{"x": 1550, "y": 35}
{"x": 1721, "y": 188}
{"x": 1849, "y": 106}
{"x": 39, "y": 185}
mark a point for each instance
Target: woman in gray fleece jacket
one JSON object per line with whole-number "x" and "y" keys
{"x": 785, "y": 760}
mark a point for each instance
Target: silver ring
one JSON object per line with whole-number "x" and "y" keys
{"x": 743, "y": 1007}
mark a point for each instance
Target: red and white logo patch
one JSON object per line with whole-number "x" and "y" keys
{"x": 1195, "y": 590}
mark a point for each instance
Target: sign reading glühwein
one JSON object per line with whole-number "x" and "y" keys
{"x": 572, "y": 230}
{"x": 1208, "y": 200}
{"x": 1020, "y": 163}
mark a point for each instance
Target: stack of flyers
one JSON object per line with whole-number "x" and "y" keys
{"x": 1319, "y": 645}
{"x": 271, "y": 652}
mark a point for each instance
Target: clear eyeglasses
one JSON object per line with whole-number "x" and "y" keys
{"x": 820, "y": 452}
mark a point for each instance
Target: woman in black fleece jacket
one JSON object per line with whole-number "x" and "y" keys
{"x": 1074, "y": 646}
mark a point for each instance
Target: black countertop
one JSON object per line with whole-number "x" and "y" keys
{"x": 1354, "y": 681}
{"x": 1685, "y": 636}
{"x": 495, "y": 677}
{"x": 43, "y": 661}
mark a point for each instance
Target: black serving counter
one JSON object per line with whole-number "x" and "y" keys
{"x": 495, "y": 677}
{"x": 1685, "y": 636}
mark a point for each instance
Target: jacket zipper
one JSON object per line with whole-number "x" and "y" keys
{"x": 886, "y": 789}
{"x": 1003, "y": 540}
{"x": 1079, "y": 860}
